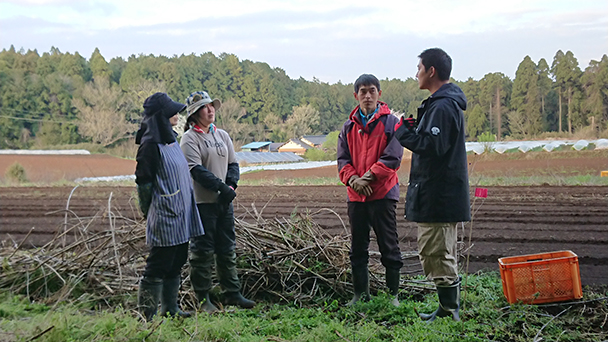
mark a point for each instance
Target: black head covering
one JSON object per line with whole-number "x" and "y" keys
{"x": 155, "y": 127}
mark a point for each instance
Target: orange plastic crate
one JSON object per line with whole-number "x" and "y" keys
{"x": 541, "y": 278}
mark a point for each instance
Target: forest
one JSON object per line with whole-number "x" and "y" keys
{"x": 58, "y": 100}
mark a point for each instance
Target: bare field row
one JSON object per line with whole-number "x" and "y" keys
{"x": 511, "y": 221}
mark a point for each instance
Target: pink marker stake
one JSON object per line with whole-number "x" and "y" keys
{"x": 481, "y": 192}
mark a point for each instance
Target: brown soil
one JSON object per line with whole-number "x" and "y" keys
{"x": 532, "y": 164}
{"x": 52, "y": 168}
{"x": 511, "y": 221}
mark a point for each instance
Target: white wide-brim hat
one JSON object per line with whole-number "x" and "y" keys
{"x": 198, "y": 99}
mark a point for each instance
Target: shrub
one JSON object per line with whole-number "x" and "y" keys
{"x": 487, "y": 140}
{"x": 315, "y": 154}
{"x": 16, "y": 173}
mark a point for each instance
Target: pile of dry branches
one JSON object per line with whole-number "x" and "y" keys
{"x": 291, "y": 259}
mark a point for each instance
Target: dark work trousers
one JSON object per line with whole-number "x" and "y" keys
{"x": 218, "y": 221}
{"x": 166, "y": 262}
{"x": 379, "y": 215}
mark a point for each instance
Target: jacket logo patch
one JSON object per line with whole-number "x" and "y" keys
{"x": 435, "y": 130}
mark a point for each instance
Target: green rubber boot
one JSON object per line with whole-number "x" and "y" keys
{"x": 168, "y": 300}
{"x": 201, "y": 270}
{"x": 205, "y": 303}
{"x": 229, "y": 281}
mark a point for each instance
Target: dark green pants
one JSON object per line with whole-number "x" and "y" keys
{"x": 215, "y": 248}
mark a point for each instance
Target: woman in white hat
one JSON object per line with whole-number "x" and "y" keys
{"x": 215, "y": 171}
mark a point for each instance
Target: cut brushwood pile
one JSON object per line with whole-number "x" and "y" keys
{"x": 289, "y": 259}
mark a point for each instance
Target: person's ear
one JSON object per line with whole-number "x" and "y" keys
{"x": 356, "y": 98}
{"x": 379, "y": 93}
{"x": 432, "y": 71}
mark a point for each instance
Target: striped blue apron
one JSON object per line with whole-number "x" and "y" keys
{"x": 173, "y": 217}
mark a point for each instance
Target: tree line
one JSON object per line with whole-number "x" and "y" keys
{"x": 58, "y": 98}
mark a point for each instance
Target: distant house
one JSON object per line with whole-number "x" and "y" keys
{"x": 274, "y": 147}
{"x": 296, "y": 146}
{"x": 314, "y": 140}
{"x": 257, "y": 146}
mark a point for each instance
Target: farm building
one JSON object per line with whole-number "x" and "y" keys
{"x": 274, "y": 147}
{"x": 296, "y": 146}
{"x": 257, "y": 146}
{"x": 314, "y": 140}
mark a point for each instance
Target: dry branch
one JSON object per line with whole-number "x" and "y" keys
{"x": 282, "y": 259}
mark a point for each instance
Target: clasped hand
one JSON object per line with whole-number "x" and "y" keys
{"x": 361, "y": 184}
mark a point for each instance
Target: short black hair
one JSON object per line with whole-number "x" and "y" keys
{"x": 366, "y": 79}
{"x": 435, "y": 57}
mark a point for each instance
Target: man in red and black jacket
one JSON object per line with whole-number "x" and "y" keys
{"x": 368, "y": 160}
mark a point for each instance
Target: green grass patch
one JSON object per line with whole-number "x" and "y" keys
{"x": 486, "y": 317}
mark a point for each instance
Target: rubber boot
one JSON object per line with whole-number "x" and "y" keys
{"x": 360, "y": 285}
{"x": 449, "y": 303}
{"x": 201, "y": 269}
{"x": 236, "y": 298}
{"x": 168, "y": 300}
{"x": 206, "y": 304}
{"x": 148, "y": 296}
{"x": 229, "y": 281}
{"x": 392, "y": 283}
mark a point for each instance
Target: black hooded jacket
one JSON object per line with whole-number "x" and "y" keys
{"x": 438, "y": 189}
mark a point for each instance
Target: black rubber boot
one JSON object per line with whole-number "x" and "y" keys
{"x": 229, "y": 281}
{"x": 360, "y": 285}
{"x": 449, "y": 303}
{"x": 168, "y": 300}
{"x": 148, "y": 296}
{"x": 205, "y": 303}
{"x": 236, "y": 298}
{"x": 392, "y": 283}
{"x": 201, "y": 269}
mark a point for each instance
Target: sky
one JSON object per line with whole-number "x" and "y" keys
{"x": 330, "y": 40}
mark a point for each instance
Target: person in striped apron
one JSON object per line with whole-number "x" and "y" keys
{"x": 215, "y": 171}
{"x": 167, "y": 202}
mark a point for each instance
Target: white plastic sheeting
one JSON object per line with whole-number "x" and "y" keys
{"x": 525, "y": 146}
{"x": 268, "y": 157}
{"x": 580, "y": 145}
{"x": 106, "y": 179}
{"x": 601, "y": 144}
{"x": 290, "y": 166}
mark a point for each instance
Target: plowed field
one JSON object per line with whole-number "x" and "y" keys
{"x": 511, "y": 221}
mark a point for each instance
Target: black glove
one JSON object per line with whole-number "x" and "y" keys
{"x": 227, "y": 194}
{"x": 145, "y": 197}
{"x": 409, "y": 122}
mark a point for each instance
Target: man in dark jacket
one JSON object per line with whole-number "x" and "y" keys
{"x": 368, "y": 160}
{"x": 438, "y": 190}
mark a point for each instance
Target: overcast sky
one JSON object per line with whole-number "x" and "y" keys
{"x": 332, "y": 40}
